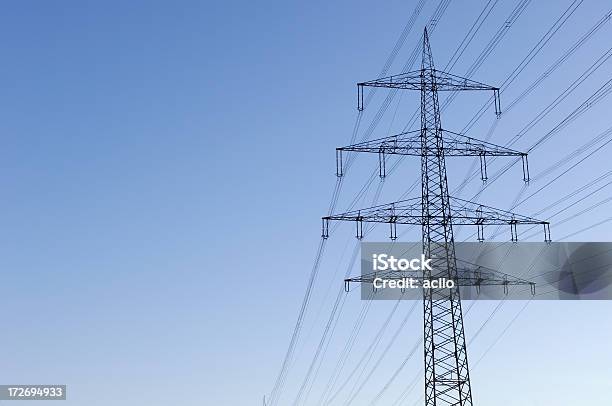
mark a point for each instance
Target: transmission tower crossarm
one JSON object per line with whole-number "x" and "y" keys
{"x": 462, "y": 212}
{"x": 410, "y": 143}
{"x": 468, "y": 274}
{"x": 436, "y": 81}
{"x": 412, "y": 81}
{"x": 454, "y": 144}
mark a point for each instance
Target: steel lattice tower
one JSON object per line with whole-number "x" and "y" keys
{"x": 447, "y": 377}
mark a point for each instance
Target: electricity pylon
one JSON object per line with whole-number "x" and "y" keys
{"x": 447, "y": 377}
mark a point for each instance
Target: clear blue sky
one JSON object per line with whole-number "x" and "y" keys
{"x": 164, "y": 167}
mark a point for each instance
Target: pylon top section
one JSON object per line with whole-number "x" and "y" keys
{"x": 427, "y": 58}
{"x": 428, "y": 78}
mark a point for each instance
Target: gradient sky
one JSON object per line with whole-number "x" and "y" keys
{"x": 164, "y": 167}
